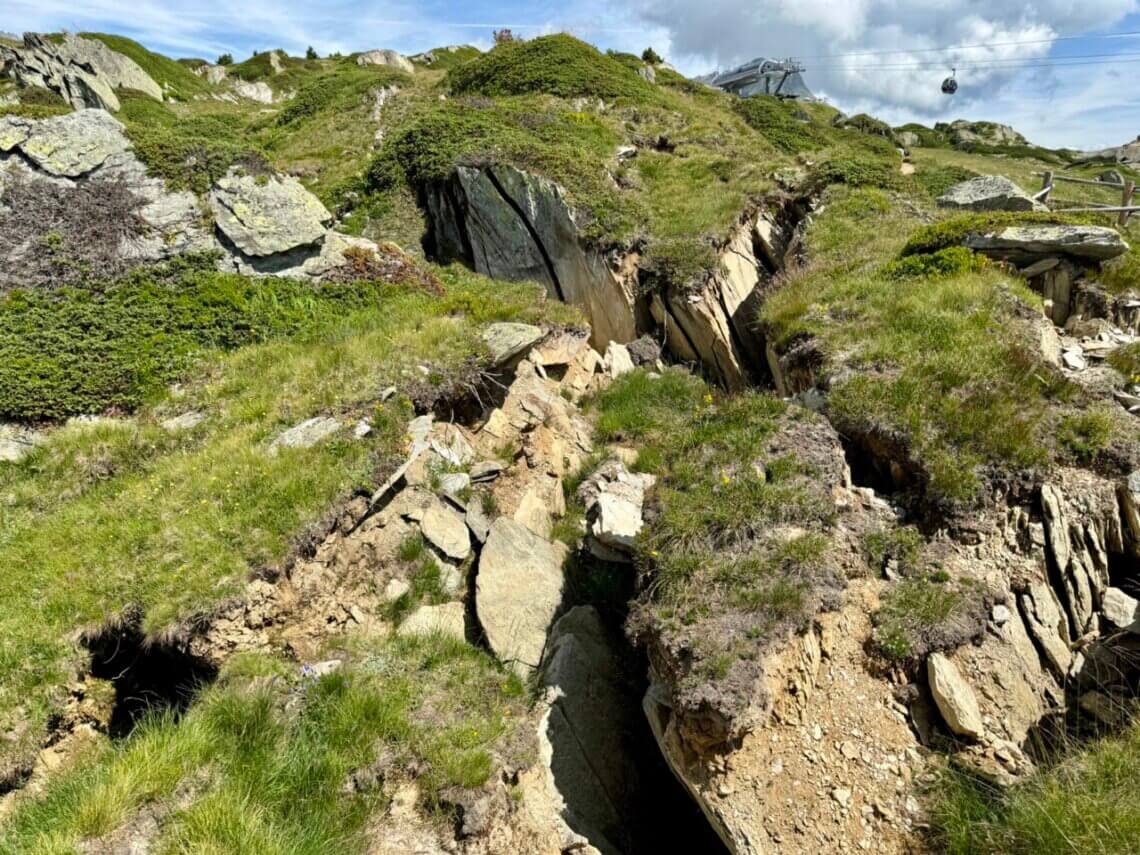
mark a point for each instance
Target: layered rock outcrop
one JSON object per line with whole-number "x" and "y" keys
{"x": 510, "y": 224}
{"x": 513, "y": 225}
{"x": 84, "y": 72}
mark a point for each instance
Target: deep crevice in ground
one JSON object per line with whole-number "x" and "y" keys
{"x": 148, "y": 676}
{"x": 661, "y": 815}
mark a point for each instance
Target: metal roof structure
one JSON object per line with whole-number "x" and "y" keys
{"x": 780, "y": 77}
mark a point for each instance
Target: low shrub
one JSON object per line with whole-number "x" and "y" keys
{"x": 951, "y": 261}
{"x": 919, "y": 616}
{"x": 95, "y": 347}
{"x": 555, "y": 65}
{"x": 776, "y": 122}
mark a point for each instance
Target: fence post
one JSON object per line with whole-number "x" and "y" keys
{"x": 1046, "y": 186}
{"x": 1126, "y": 201}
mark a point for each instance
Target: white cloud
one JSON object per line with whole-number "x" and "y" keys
{"x": 1061, "y": 107}
{"x": 704, "y": 34}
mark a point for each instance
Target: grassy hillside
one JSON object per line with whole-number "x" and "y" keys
{"x": 175, "y": 522}
{"x": 923, "y": 348}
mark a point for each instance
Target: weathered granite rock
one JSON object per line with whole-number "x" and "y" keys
{"x": 618, "y": 359}
{"x": 586, "y": 727}
{"x": 446, "y": 620}
{"x": 989, "y": 193}
{"x": 74, "y": 144}
{"x": 446, "y": 530}
{"x": 507, "y": 340}
{"x": 85, "y": 72}
{"x": 264, "y": 216}
{"x": 517, "y": 591}
{"x": 908, "y": 139}
{"x": 1047, "y": 625}
{"x": 17, "y": 442}
{"x": 1024, "y": 244}
{"x": 1121, "y": 609}
{"x": 390, "y": 58}
{"x": 13, "y": 131}
{"x": 954, "y": 697}
{"x": 613, "y": 497}
{"x": 307, "y": 434}
{"x": 963, "y": 132}
{"x": 258, "y": 91}
{"x": 214, "y": 74}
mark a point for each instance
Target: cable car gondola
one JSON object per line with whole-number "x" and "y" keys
{"x": 950, "y": 85}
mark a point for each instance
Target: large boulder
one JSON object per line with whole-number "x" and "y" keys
{"x": 989, "y": 193}
{"x": 507, "y": 340}
{"x": 963, "y": 132}
{"x": 85, "y": 72}
{"x": 514, "y": 225}
{"x": 1026, "y": 244}
{"x": 73, "y": 145}
{"x": 518, "y": 590}
{"x": 389, "y": 58}
{"x": 264, "y": 216}
{"x": 75, "y": 176}
{"x": 258, "y": 91}
{"x": 954, "y": 697}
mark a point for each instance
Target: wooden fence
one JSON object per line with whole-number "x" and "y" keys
{"x": 1126, "y": 189}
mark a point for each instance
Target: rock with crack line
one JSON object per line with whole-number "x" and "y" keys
{"x": 265, "y": 216}
{"x": 518, "y": 590}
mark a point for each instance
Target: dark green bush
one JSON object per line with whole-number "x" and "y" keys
{"x": 951, "y": 261}
{"x": 555, "y": 65}
{"x": 89, "y": 349}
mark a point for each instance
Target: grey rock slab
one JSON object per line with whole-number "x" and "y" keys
{"x": 258, "y": 91}
{"x": 506, "y": 340}
{"x": 954, "y": 697}
{"x": 618, "y": 359}
{"x": 478, "y": 520}
{"x": 13, "y": 131}
{"x": 264, "y": 216}
{"x": 307, "y": 434}
{"x": 389, "y": 58}
{"x": 1028, "y": 243}
{"x": 486, "y": 470}
{"x": 1121, "y": 609}
{"x": 518, "y": 590}
{"x": 186, "y": 421}
{"x": 988, "y": 193}
{"x": 17, "y": 442}
{"x": 75, "y": 144}
{"x": 446, "y": 530}
{"x": 446, "y": 620}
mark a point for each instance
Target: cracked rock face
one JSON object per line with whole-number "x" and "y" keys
{"x": 515, "y": 225}
{"x": 73, "y": 145}
{"x": 1026, "y": 244}
{"x": 989, "y": 193}
{"x": 517, "y": 591}
{"x": 263, "y": 217}
{"x": 85, "y": 72}
{"x": 390, "y": 58}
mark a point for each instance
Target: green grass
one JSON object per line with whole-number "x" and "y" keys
{"x": 175, "y": 523}
{"x": 244, "y": 772}
{"x": 35, "y": 103}
{"x": 922, "y": 615}
{"x": 713, "y": 546}
{"x": 558, "y": 65}
{"x": 190, "y": 152}
{"x": 177, "y": 81}
{"x": 942, "y": 366}
{"x": 110, "y": 346}
{"x": 1085, "y": 803}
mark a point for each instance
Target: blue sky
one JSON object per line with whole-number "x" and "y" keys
{"x": 881, "y": 56}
